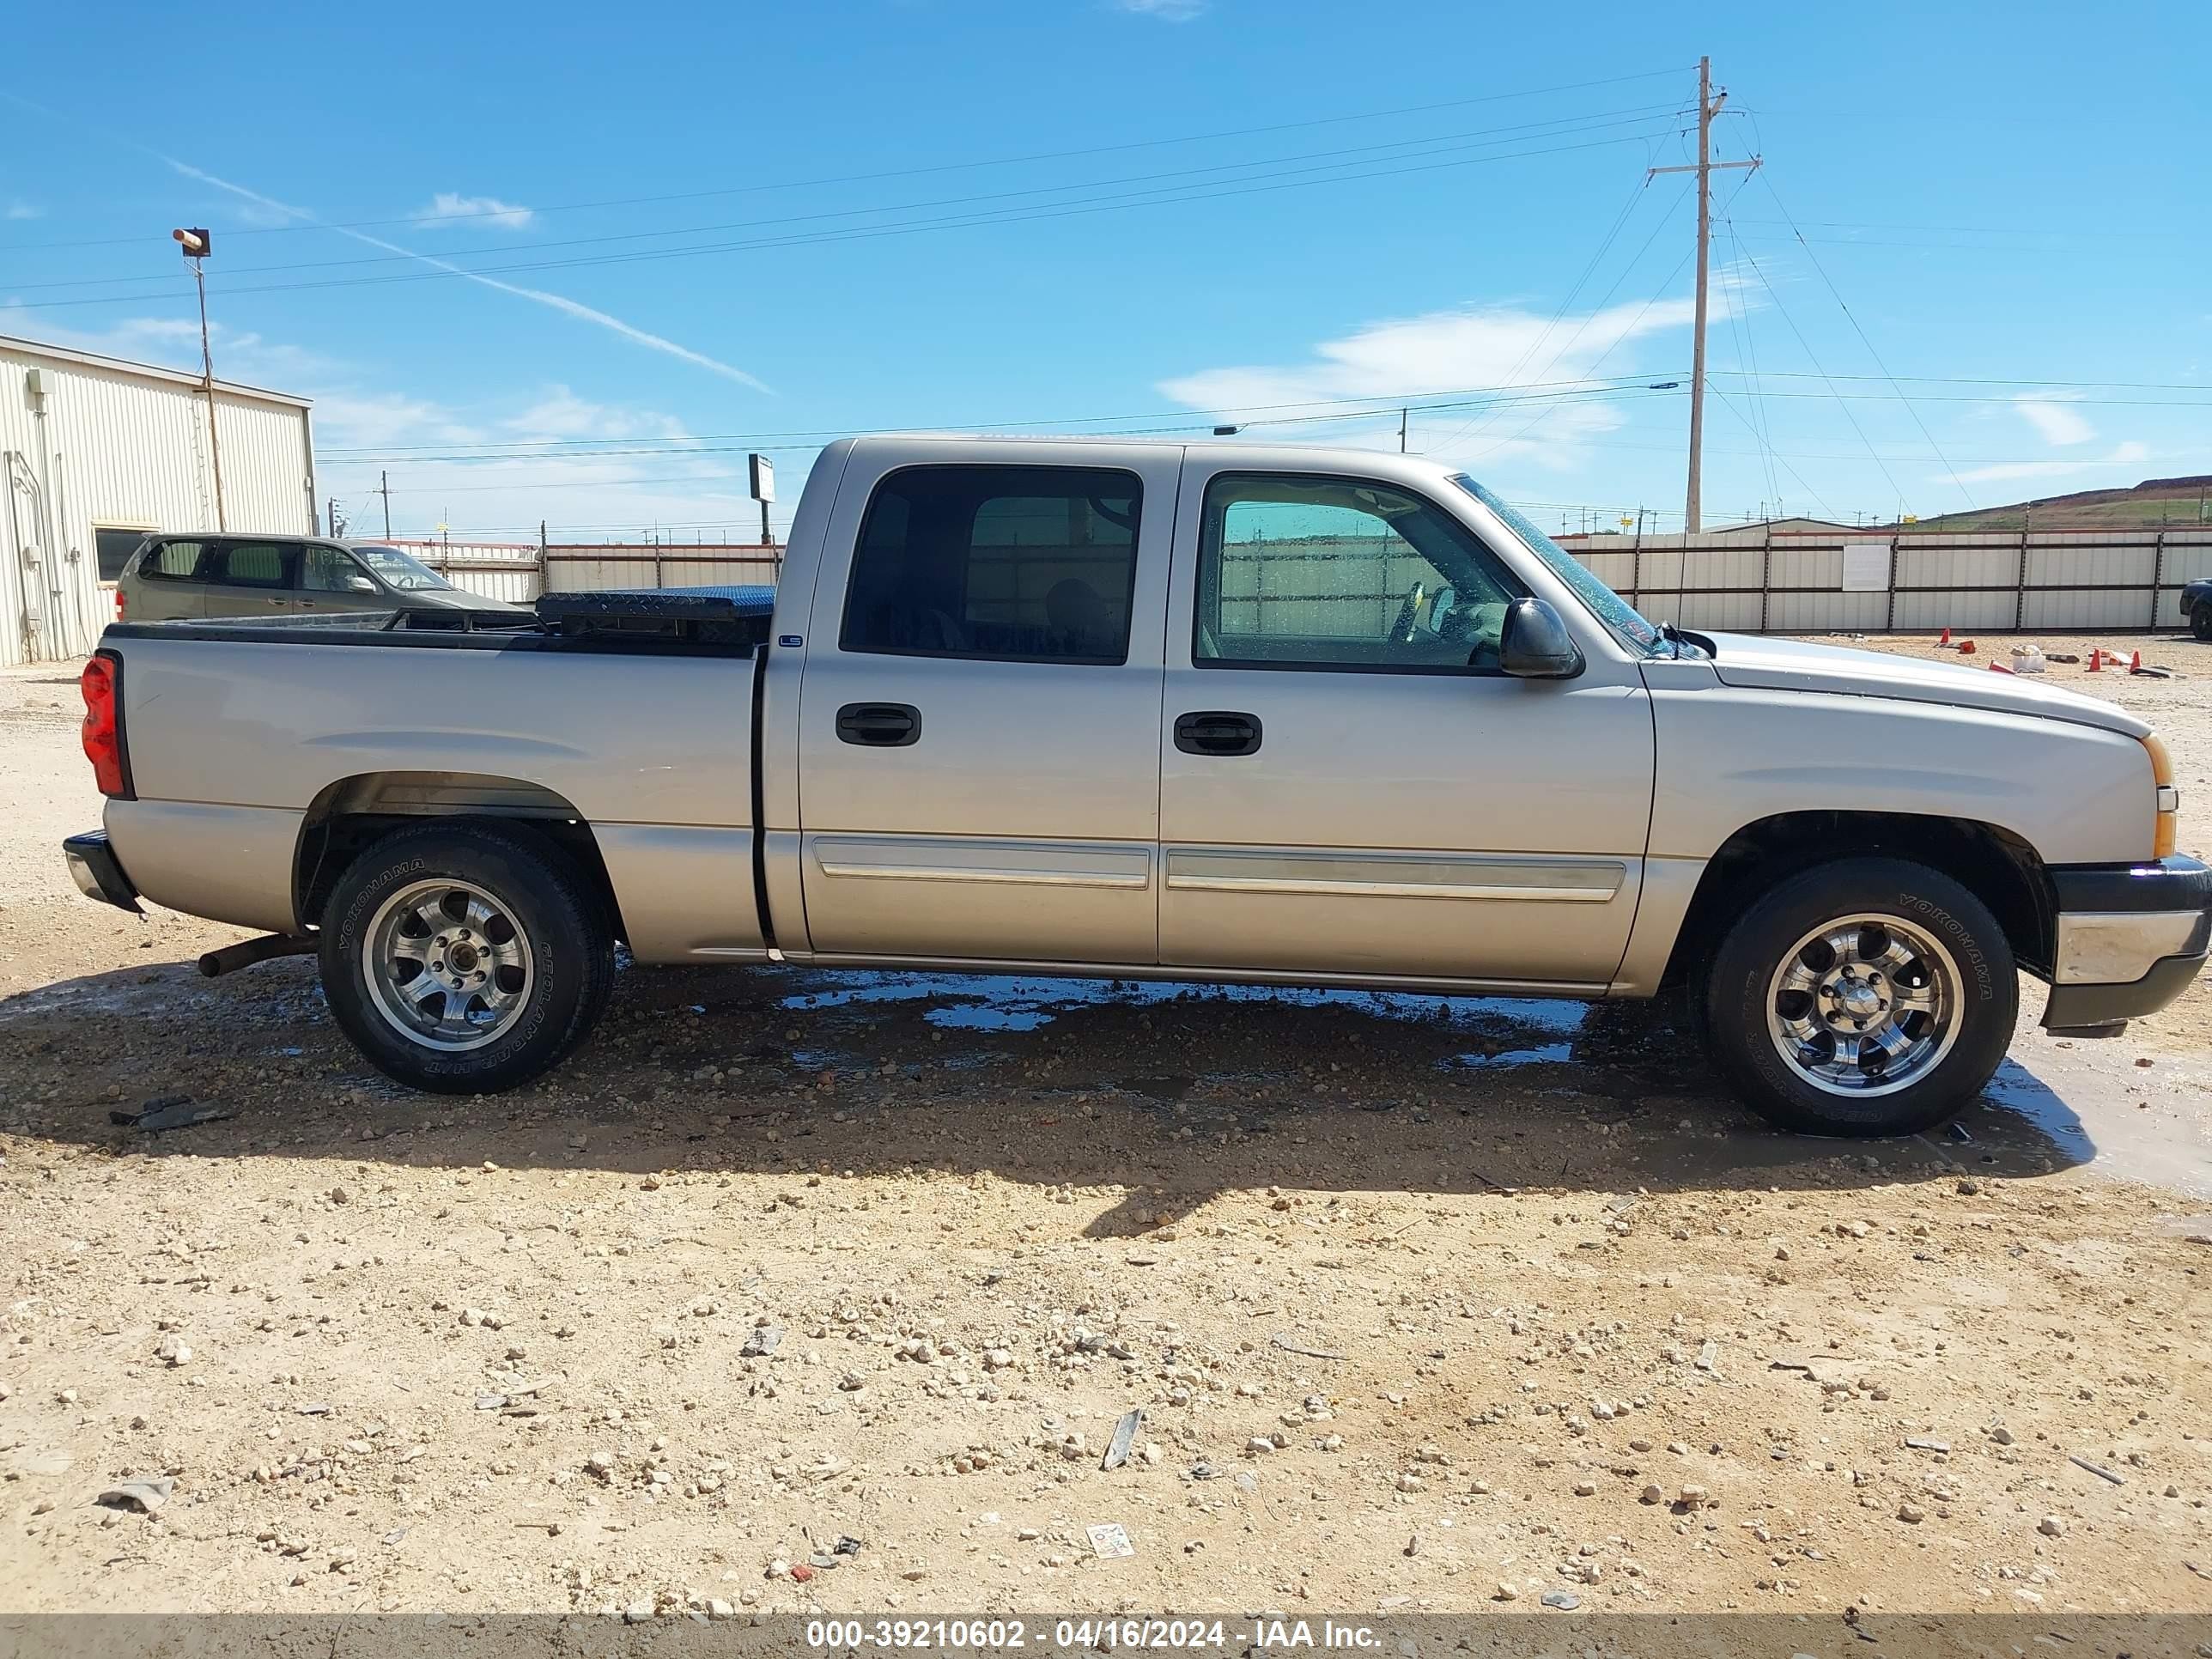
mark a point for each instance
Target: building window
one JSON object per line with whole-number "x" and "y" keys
{"x": 114, "y": 549}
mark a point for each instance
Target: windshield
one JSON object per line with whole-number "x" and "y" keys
{"x": 400, "y": 571}
{"x": 1627, "y": 624}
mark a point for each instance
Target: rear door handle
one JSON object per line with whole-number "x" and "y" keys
{"x": 1217, "y": 731}
{"x": 879, "y": 725}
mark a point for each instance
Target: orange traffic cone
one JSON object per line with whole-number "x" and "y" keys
{"x": 1997, "y": 667}
{"x": 1945, "y": 641}
{"x": 2096, "y": 658}
{"x": 2135, "y": 663}
{"x": 1966, "y": 647}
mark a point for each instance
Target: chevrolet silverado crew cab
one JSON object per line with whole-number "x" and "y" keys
{"x": 1204, "y": 712}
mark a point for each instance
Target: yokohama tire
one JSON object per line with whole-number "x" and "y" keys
{"x": 1979, "y": 998}
{"x": 544, "y": 917}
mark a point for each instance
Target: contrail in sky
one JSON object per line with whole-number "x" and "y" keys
{"x": 558, "y": 303}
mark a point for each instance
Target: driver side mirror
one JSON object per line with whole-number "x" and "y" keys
{"x": 360, "y": 585}
{"x": 1534, "y": 644}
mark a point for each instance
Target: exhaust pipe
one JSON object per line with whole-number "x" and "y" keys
{"x": 246, "y": 952}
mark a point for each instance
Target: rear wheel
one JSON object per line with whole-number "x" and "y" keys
{"x": 2200, "y": 620}
{"x": 464, "y": 960}
{"x": 1864, "y": 997}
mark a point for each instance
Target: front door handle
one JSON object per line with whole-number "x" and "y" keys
{"x": 1217, "y": 731}
{"x": 879, "y": 725}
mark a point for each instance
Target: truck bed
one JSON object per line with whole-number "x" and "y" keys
{"x": 635, "y": 718}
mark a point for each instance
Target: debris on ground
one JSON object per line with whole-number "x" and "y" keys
{"x": 146, "y": 1495}
{"x": 170, "y": 1112}
{"x": 1124, "y": 1436}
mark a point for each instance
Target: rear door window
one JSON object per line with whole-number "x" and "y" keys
{"x": 1011, "y": 563}
{"x": 253, "y": 564}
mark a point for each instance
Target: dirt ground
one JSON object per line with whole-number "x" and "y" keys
{"x": 1426, "y": 1305}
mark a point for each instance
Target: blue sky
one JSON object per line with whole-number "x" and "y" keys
{"x": 1134, "y": 214}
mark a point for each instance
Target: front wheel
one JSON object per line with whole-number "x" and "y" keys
{"x": 464, "y": 960}
{"x": 2200, "y": 620}
{"x": 1868, "y": 996}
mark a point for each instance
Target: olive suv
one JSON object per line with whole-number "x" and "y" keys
{"x": 179, "y": 578}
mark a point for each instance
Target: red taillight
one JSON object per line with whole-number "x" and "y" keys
{"x": 103, "y": 738}
{"x": 118, "y": 605}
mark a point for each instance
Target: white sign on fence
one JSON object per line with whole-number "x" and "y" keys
{"x": 1866, "y": 566}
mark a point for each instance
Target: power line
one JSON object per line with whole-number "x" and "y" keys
{"x": 1728, "y": 404}
{"x": 1872, "y": 353}
{"x": 902, "y": 172}
{"x": 1196, "y": 424}
{"x": 1149, "y": 198}
{"x": 1380, "y": 403}
{"x": 1442, "y": 143}
{"x": 1567, "y": 346}
{"x": 1628, "y": 208}
{"x": 1814, "y": 359}
{"x": 1641, "y": 311}
{"x": 1740, "y": 329}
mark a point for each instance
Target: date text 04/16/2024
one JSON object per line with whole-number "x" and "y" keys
{"x": 1001, "y": 1634}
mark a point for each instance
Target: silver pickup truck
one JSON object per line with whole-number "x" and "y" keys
{"x": 1196, "y": 712}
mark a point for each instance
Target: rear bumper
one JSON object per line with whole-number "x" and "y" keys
{"x": 97, "y": 872}
{"x": 2131, "y": 939}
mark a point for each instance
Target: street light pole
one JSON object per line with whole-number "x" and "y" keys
{"x": 195, "y": 244}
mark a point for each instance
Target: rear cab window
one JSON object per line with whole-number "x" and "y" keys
{"x": 1005, "y": 564}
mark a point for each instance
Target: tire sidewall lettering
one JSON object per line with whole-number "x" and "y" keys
{"x": 1984, "y": 989}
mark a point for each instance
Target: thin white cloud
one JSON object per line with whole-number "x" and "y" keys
{"x": 1477, "y": 347}
{"x": 504, "y": 494}
{"x": 560, "y": 413}
{"x": 2053, "y": 417}
{"x": 2132, "y": 454}
{"x": 240, "y": 355}
{"x": 447, "y": 207}
{"x": 1168, "y": 11}
{"x": 538, "y": 296}
{"x": 22, "y": 210}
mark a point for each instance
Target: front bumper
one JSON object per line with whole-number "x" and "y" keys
{"x": 98, "y": 873}
{"x": 2131, "y": 939}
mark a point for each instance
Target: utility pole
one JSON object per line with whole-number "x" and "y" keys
{"x": 384, "y": 488}
{"x": 197, "y": 243}
{"x": 1402, "y": 414}
{"x": 1709, "y": 106}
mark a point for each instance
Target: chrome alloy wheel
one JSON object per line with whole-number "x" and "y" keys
{"x": 1864, "y": 1006}
{"x": 446, "y": 964}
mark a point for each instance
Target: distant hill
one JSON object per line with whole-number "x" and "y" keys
{"x": 2154, "y": 502}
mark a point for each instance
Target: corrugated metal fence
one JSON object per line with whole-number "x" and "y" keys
{"x": 1748, "y": 580}
{"x": 1808, "y": 582}
{"x": 521, "y": 571}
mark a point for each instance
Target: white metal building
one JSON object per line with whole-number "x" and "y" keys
{"x": 95, "y": 451}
